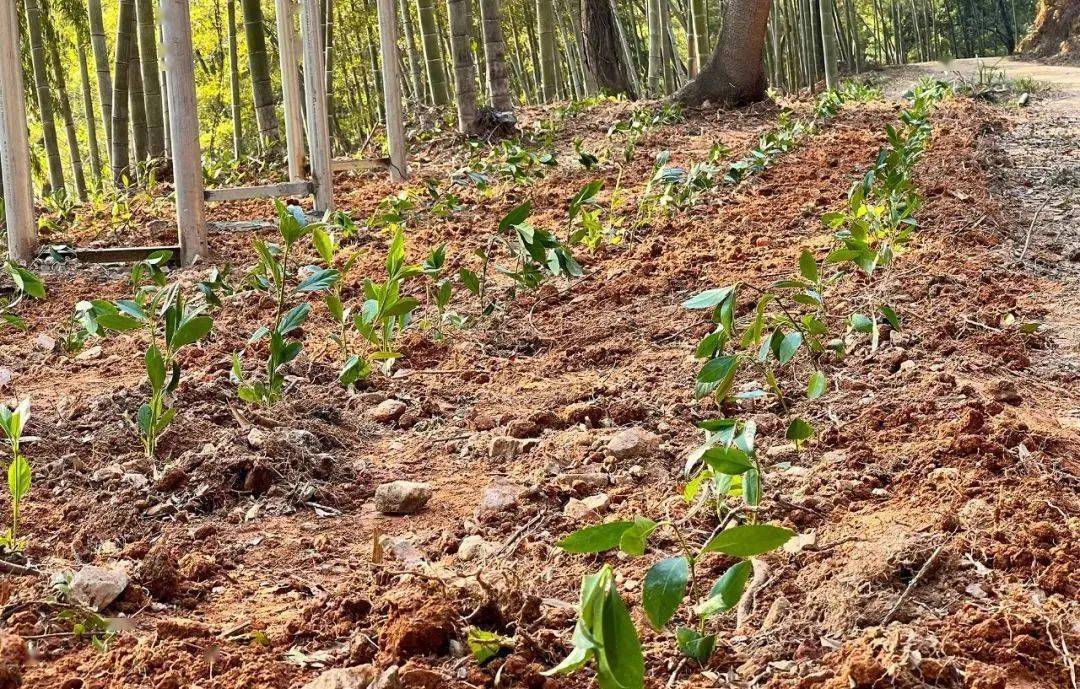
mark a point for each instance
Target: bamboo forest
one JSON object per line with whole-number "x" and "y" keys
{"x": 469, "y": 344}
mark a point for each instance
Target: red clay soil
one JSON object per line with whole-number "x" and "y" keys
{"x": 940, "y": 491}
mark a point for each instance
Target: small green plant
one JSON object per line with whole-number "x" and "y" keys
{"x": 386, "y": 311}
{"x": 273, "y": 274}
{"x": 25, "y": 284}
{"x": 12, "y": 423}
{"x": 171, "y": 324}
{"x": 82, "y": 324}
{"x": 535, "y": 254}
{"x": 326, "y": 243}
{"x": 440, "y": 290}
{"x": 215, "y": 286}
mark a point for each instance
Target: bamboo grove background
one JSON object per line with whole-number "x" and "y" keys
{"x": 92, "y": 66}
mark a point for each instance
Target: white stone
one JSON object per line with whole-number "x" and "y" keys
{"x": 97, "y": 587}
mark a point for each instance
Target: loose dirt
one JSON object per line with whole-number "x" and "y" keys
{"x": 939, "y": 495}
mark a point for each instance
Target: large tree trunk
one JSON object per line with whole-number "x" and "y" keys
{"x": 433, "y": 56}
{"x": 464, "y": 69}
{"x": 234, "y": 83}
{"x": 65, "y": 113}
{"x": 545, "y": 29}
{"x": 120, "y": 153}
{"x": 137, "y": 108}
{"x": 101, "y": 65}
{"x": 35, "y": 32}
{"x": 1055, "y": 31}
{"x": 735, "y": 74}
{"x": 151, "y": 78}
{"x": 262, "y": 89}
{"x": 416, "y": 77}
{"x": 88, "y": 112}
{"x": 828, "y": 43}
{"x": 495, "y": 56}
{"x": 605, "y": 51}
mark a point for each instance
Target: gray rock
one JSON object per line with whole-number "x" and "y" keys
{"x": 579, "y": 509}
{"x": 387, "y": 411}
{"x": 305, "y": 440}
{"x": 505, "y": 447}
{"x": 500, "y": 496}
{"x": 357, "y": 677}
{"x": 474, "y": 548}
{"x": 401, "y": 497}
{"x": 633, "y": 443}
{"x": 97, "y": 587}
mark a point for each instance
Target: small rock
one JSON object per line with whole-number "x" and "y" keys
{"x": 401, "y": 549}
{"x": 579, "y": 509}
{"x": 258, "y": 478}
{"x": 523, "y": 428}
{"x": 474, "y": 548}
{"x": 173, "y": 478}
{"x": 257, "y": 438}
{"x": 1005, "y": 391}
{"x": 505, "y": 447}
{"x": 303, "y": 439}
{"x": 45, "y": 342}
{"x": 358, "y": 677}
{"x": 387, "y": 411}
{"x": 942, "y": 473}
{"x": 633, "y": 443}
{"x": 107, "y": 473}
{"x": 778, "y": 451}
{"x": 89, "y": 354}
{"x": 596, "y": 480}
{"x": 500, "y": 496}
{"x": 98, "y": 586}
{"x": 401, "y": 497}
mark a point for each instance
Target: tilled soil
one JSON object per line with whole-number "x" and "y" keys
{"x": 938, "y": 499}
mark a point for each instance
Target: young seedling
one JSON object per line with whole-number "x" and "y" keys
{"x": 272, "y": 274}
{"x": 12, "y": 423}
{"x": 26, "y": 284}
{"x": 535, "y": 253}
{"x": 171, "y": 324}
{"x": 386, "y": 311}
{"x": 440, "y": 290}
{"x": 355, "y": 367}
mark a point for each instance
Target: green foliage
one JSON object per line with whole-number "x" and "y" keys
{"x": 535, "y": 254}
{"x": 605, "y": 634}
{"x": 25, "y": 284}
{"x": 387, "y": 310}
{"x": 335, "y": 257}
{"x": 12, "y": 423}
{"x": 272, "y": 274}
{"x": 171, "y": 324}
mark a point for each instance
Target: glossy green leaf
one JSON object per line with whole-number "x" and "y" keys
{"x": 748, "y": 540}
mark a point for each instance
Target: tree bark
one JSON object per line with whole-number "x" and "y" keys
{"x": 262, "y": 89}
{"x": 120, "y": 156}
{"x": 65, "y": 114}
{"x": 101, "y": 65}
{"x": 35, "y": 32}
{"x": 416, "y": 77}
{"x": 433, "y": 56}
{"x": 91, "y": 118}
{"x": 464, "y": 69}
{"x": 495, "y": 56}
{"x": 605, "y": 55}
{"x": 151, "y": 79}
{"x": 545, "y": 27}
{"x": 234, "y": 83}
{"x": 734, "y": 74}
{"x": 828, "y": 43}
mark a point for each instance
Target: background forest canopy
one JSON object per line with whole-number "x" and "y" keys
{"x": 83, "y": 58}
